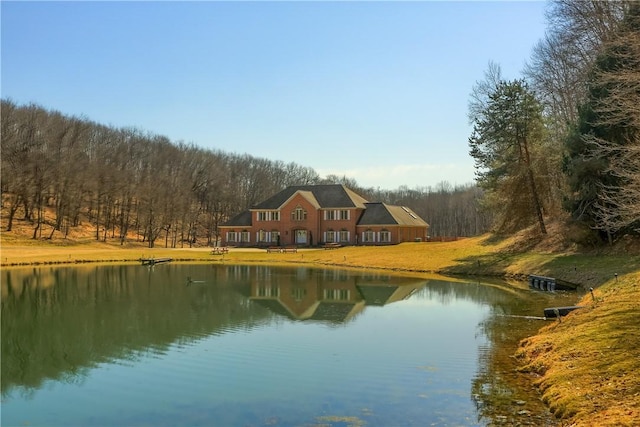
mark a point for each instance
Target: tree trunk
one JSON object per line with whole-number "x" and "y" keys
{"x": 534, "y": 191}
{"x": 12, "y": 212}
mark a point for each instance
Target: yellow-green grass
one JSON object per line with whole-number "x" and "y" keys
{"x": 482, "y": 256}
{"x": 588, "y": 365}
{"x": 407, "y": 257}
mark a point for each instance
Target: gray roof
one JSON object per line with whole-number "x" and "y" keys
{"x": 377, "y": 295}
{"x": 335, "y": 196}
{"x": 383, "y": 214}
{"x": 241, "y": 220}
{"x": 327, "y": 196}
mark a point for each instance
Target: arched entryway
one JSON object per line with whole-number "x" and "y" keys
{"x": 301, "y": 237}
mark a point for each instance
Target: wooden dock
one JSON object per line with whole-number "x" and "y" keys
{"x": 559, "y": 311}
{"x": 544, "y": 283}
{"x": 154, "y": 261}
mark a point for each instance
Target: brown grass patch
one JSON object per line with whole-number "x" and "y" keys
{"x": 588, "y": 365}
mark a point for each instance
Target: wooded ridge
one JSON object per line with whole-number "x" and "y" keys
{"x": 60, "y": 172}
{"x": 562, "y": 140}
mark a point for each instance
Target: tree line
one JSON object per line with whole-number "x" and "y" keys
{"x": 127, "y": 182}
{"x": 565, "y": 137}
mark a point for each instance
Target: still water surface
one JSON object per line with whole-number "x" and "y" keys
{"x": 262, "y": 346}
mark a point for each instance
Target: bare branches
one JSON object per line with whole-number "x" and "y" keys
{"x": 560, "y": 63}
{"x": 615, "y": 122}
{"x": 617, "y": 206}
{"x": 480, "y": 93}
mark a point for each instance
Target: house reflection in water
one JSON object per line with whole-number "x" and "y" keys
{"x": 328, "y": 295}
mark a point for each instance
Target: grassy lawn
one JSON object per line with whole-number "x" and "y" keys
{"x": 587, "y": 365}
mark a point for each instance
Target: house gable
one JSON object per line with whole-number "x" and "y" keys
{"x": 316, "y": 214}
{"x": 306, "y": 195}
{"x": 327, "y": 196}
{"x": 377, "y": 214}
{"x": 391, "y": 215}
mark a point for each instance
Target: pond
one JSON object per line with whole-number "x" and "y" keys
{"x": 203, "y": 345}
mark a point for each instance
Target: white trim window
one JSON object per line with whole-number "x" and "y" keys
{"x": 268, "y": 216}
{"x": 298, "y": 294}
{"x": 330, "y": 236}
{"x": 272, "y": 291}
{"x": 385, "y": 236}
{"x": 274, "y": 236}
{"x": 368, "y": 236}
{"x": 344, "y": 236}
{"x": 298, "y": 214}
{"x": 335, "y": 215}
{"x": 232, "y": 236}
{"x": 245, "y": 237}
{"x": 337, "y": 294}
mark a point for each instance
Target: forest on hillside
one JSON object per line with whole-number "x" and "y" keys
{"x": 127, "y": 182}
{"x": 563, "y": 138}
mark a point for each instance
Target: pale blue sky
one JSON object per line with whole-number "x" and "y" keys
{"x": 376, "y": 91}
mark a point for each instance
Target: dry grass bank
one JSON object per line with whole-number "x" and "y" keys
{"x": 414, "y": 257}
{"x": 588, "y": 366}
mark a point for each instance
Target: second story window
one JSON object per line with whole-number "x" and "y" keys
{"x": 268, "y": 216}
{"x": 298, "y": 214}
{"x": 343, "y": 215}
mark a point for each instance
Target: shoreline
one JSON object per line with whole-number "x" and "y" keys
{"x": 586, "y": 366}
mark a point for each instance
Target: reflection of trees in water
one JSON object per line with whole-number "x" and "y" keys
{"x": 498, "y": 390}
{"x": 501, "y": 394}
{"x": 498, "y": 297}
{"x": 57, "y": 323}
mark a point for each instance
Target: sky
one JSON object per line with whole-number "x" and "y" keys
{"x": 375, "y": 91}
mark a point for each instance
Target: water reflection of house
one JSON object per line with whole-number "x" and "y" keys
{"x": 330, "y": 296}
{"x": 381, "y": 294}
{"x": 329, "y": 301}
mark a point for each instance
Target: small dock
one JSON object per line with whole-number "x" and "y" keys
{"x": 544, "y": 283}
{"x": 154, "y": 261}
{"x": 553, "y": 312}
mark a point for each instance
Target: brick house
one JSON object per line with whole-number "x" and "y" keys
{"x": 311, "y": 215}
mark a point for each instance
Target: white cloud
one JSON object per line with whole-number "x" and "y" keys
{"x": 412, "y": 175}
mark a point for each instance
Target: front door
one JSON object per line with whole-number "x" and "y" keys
{"x": 301, "y": 237}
